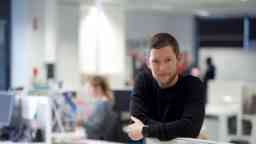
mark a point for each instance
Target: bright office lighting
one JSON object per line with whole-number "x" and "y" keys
{"x": 100, "y": 50}
{"x": 203, "y": 13}
{"x": 88, "y": 42}
{"x": 227, "y": 99}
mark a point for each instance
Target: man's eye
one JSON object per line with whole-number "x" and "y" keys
{"x": 155, "y": 61}
{"x": 168, "y": 60}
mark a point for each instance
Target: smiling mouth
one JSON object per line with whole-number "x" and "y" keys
{"x": 162, "y": 75}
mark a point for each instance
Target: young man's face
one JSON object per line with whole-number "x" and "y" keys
{"x": 162, "y": 63}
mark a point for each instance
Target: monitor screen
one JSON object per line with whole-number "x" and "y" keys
{"x": 6, "y": 106}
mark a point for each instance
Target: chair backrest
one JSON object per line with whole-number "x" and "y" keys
{"x": 121, "y": 99}
{"x": 249, "y": 99}
{"x": 111, "y": 126}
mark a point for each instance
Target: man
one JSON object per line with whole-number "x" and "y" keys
{"x": 209, "y": 75}
{"x": 165, "y": 105}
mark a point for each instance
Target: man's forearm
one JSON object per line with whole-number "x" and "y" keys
{"x": 168, "y": 131}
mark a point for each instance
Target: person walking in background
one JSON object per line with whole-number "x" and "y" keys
{"x": 210, "y": 74}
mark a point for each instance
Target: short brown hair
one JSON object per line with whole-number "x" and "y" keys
{"x": 161, "y": 40}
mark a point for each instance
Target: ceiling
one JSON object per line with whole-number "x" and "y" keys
{"x": 199, "y": 7}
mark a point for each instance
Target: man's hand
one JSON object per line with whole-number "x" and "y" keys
{"x": 135, "y": 129}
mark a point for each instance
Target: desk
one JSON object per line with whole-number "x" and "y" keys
{"x": 40, "y": 105}
{"x": 87, "y": 141}
{"x": 216, "y": 121}
{"x": 152, "y": 141}
{"x": 76, "y": 138}
{"x": 148, "y": 141}
{"x": 183, "y": 141}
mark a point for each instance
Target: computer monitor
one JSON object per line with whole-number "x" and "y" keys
{"x": 249, "y": 104}
{"x": 6, "y": 107}
{"x": 122, "y": 99}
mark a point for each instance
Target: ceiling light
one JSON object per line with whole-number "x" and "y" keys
{"x": 203, "y": 13}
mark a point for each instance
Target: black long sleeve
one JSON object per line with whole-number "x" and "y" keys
{"x": 180, "y": 114}
{"x": 138, "y": 106}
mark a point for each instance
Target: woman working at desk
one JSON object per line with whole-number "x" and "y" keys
{"x": 101, "y": 122}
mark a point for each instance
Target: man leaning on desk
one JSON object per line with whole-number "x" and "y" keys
{"x": 165, "y": 105}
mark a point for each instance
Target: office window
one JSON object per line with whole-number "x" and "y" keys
{"x": 219, "y": 32}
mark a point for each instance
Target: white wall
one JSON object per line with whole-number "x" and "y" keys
{"x": 142, "y": 25}
{"x": 231, "y": 64}
{"x": 27, "y": 43}
{"x": 57, "y": 27}
{"x": 67, "y": 57}
{"x": 19, "y": 42}
{"x": 37, "y": 39}
{"x": 51, "y": 26}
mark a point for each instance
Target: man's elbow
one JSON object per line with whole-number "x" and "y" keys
{"x": 191, "y": 130}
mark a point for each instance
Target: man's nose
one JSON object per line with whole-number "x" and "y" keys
{"x": 162, "y": 67}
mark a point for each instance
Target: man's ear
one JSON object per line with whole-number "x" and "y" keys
{"x": 179, "y": 58}
{"x": 148, "y": 64}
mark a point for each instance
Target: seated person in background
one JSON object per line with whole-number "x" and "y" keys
{"x": 101, "y": 123}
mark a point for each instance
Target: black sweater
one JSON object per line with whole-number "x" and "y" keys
{"x": 177, "y": 111}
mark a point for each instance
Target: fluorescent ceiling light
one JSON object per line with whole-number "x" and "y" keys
{"x": 203, "y": 13}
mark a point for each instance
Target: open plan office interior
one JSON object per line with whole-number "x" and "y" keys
{"x": 50, "y": 48}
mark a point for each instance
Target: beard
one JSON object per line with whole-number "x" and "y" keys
{"x": 169, "y": 82}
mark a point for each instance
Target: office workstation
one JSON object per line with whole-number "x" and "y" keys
{"x": 68, "y": 70}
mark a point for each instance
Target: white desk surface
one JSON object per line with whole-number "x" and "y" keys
{"x": 183, "y": 141}
{"x": 218, "y": 110}
{"x": 87, "y": 141}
